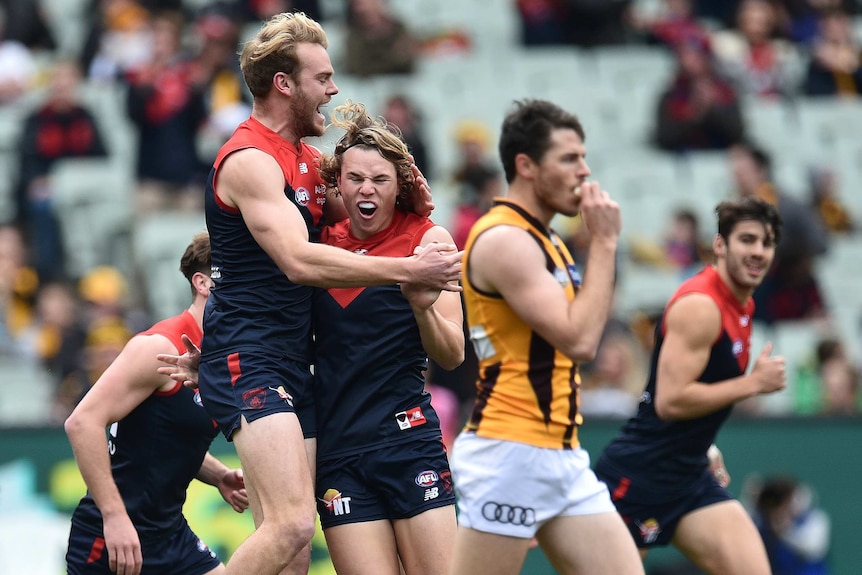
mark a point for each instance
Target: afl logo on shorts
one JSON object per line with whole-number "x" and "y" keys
{"x": 302, "y": 196}
{"x": 509, "y": 514}
{"x": 427, "y": 478}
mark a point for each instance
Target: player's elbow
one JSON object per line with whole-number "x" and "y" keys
{"x": 667, "y": 410}
{"x": 450, "y": 360}
{"x": 581, "y": 351}
{"x": 72, "y": 424}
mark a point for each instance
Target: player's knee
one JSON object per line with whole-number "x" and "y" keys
{"x": 297, "y": 531}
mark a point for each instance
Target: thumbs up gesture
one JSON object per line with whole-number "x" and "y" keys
{"x": 769, "y": 371}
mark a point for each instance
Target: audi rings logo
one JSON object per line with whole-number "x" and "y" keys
{"x": 510, "y": 514}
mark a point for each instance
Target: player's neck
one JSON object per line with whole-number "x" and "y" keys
{"x": 197, "y": 310}
{"x": 275, "y": 120}
{"x": 524, "y": 196}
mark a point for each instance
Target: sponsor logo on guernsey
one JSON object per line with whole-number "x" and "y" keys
{"x": 303, "y": 168}
{"x": 427, "y": 478}
{"x": 336, "y": 503}
{"x": 254, "y": 398}
{"x": 744, "y": 320}
{"x": 481, "y": 342}
{"x": 576, "y": 275}
{"x": 320, "y": 194}
{"x": 283, "y": 394}
{"x": 562, "y": 276}
{"x": 411, "y": 418}
{"x": 649, "y": 530}
{"x": 737, "y": 347}
{"x": 361, "y": 251}
{"x": 302, "y": 196}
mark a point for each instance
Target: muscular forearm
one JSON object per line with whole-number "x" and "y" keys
{"x": 212, "y": 470}
{"x": 91, "y": 453}
{"x": 590, "y": 309}
{"x": 697, "y": 399}
{"x": 325, "y": 266}
{"x": 442, "y": 339}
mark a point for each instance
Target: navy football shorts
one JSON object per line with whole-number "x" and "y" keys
{"x": 394, "y": 482}
{"x": 254, "y": 384}
{"x": 652, "y": 515}
{"x": 182, "y": 553}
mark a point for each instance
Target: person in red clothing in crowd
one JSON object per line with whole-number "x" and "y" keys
{"x": 699, "y": 110}
{"x": 61, "y": 127}
{"x": 166, "y": 103}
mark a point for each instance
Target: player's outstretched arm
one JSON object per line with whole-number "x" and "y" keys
{"x": 253, "y": 182}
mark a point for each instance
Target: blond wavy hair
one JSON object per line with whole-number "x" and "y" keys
{"x": 273, "y": 49}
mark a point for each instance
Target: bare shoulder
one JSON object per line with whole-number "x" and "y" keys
{"x": 437, "y": 234}
{"x": 504, "y": 255}
{"x": 248, "y": 172}
{"x": 695, "y": 317}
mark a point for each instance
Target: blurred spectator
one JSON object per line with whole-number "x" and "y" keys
{"x": 18, "y": 285}
{"x": 542, "y": 22}
{"x": 795, "y": 530}
{"x": 166, "y": 104}
{"x": 27, "y": 24}
{"x": 59, "y": 128}
{"x": 17, "y": 67}
{"x": 838, "y": 378}
{"x": 227, "y": 100}
{"x": 56, "y": 336}
{"x": 825, "y": 199}
{"x": 699, "y": 110}
{"x": 790, "y": 290}
{"x": 471, "y": 206}
{"x": 118, "y": 39}
{"x": 592, "y": 23}
{"x": 377, "y": 42}
{"x": 683, "y": 246}
{"x": 758, "y": 63}
{"x": 401, "y": 112}
{"x": 720, "y": 13}
{"x": 613, "y": 382}
{"x": 834, "y": 67}
{"x": 672, "y": 24}
{"x": 259, "y": 10}
{"x": 472, "y": 139}
{"x": 797, "y": 19}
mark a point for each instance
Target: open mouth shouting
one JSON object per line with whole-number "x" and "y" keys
{"x": 367, "y": 209}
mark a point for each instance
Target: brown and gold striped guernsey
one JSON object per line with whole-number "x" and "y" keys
{"x": 527, "y": 391}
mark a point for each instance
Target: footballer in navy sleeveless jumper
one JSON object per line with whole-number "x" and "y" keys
{"x": 370, "y": 394}
{"x": 659, "y": 459}
{"x": 256, "y": 355}
{"x": 384, "y": 357}
{"x": 253, "y": 305}
{"x": 156, "y": 451}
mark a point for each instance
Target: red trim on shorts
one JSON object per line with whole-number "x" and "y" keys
{"x": 173, "y": 391}
{"x": 621, "y": 489}
{"x": 233, "y": 367}
{"x": 96, "y": 550}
